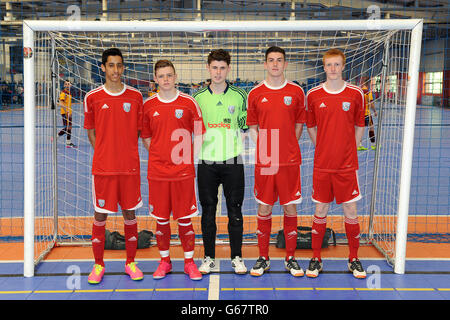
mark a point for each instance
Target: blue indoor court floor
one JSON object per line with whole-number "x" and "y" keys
{"x": 67, "y": 280}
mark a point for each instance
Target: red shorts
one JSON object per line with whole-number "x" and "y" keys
{"x": 178, "y": 197}
{"x": 343, "y": 186}
{"x": 108, "y": 191}
{"x": 285, "y": 185}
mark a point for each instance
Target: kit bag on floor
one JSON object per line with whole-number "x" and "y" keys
{"x": 304, "y": 239}
{"x": 116, "y": 241}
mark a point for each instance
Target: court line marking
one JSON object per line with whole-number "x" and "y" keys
{"x": 134, "y": 290}
{"x": 293, "y": 289}
{"x": 334, "y": 289}
{"x": 214, "y": 283}
{"x": 375, "y": 289}
{"x": 414, "y": 289}
{"x": 181, "y": 289}
{"x": 14, "y": 292}
{"x": 222, "y": 289}
{"x": 53, "y": 291}
{"x": 93, "y": 290}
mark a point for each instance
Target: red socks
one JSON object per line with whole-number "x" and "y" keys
{"x": 290, "y": 235}
{"x": 163, "y": 238}
{"x": 131, "y": 237}
{"x": 318, "y": 231}
{"x": 187, "y": 237}
{"x": 98, "y": 241}
{"x": 352, "y": 231}
{"x": 263, "y": 232}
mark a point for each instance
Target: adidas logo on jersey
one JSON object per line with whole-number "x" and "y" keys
{"x": 219, "y": 103}
{"x": 322, "y": 105}
{"x": 193, "y": 207}
{"x": 264, "y": 99}
{"x": 354, "y": 192}
{"x": 298, "y": 193}
{"x": 105, "y": 106}
{"x": 156, "y": 114}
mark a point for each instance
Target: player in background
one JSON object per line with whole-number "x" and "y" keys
{"x": 224, "y": 111}
{"x": 368, "y": 121}
{"x": 170, "y": 118}
{"x": 65, "y": 102}
{"x": 335, "y": 122}
{"x": 275, "y": 117}
{"x": 113, "y": 119}
{"x": 152, "y": 90}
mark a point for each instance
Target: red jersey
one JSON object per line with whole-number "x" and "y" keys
{"x": 116, "y": 118}
{"x": 335, "y": 114}
{"x": 276, "y": 111}
{"x": 170, "y": 125}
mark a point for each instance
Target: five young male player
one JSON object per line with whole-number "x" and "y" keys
{"x": 275, "y": 112}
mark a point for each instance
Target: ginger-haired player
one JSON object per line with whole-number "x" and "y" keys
{"x": 335, "y": 122}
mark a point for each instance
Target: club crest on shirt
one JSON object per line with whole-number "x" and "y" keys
{"x": 101, "y": 203}
{"x": 287, "y": 100}
{"x": 126, "y": 106}
{"x": 231, "y": 109}
{"x": 345, "y": 106}
{"x": 178, "y": 113}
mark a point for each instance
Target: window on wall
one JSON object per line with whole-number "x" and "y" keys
{"x": 376, "y": 84}
{"x": 392, "y": 83}
{"x": 432, "y": 83}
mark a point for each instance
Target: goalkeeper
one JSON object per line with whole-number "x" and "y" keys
{"x": 224, "y": 110}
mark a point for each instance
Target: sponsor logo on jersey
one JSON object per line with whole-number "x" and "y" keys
{"x": 345, "y": 106}
{"x": 126, "y": 106}
{"x": 101, "y": 203}
{"x": 219, "y": 125}
{"x": 322, "y": 105}
{"x": 231, "y": 109}
{"x": 178, "y": 113}
{"x": 287, "y": 100}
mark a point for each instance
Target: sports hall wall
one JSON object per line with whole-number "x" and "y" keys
{"x": 432, "y": 146}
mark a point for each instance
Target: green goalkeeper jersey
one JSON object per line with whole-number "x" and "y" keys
{"x": 224, "y": 116}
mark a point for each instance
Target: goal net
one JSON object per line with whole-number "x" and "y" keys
{"x": 58, "y": 196}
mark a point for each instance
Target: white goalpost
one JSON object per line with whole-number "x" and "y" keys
{"x": 382, "y": 54}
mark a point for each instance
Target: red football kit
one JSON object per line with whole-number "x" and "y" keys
{"x": 335, "y": 114}
{"x": 276, "y": 111}
{"x": 116, "y": 118}
{"x": 171, "y": 172}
